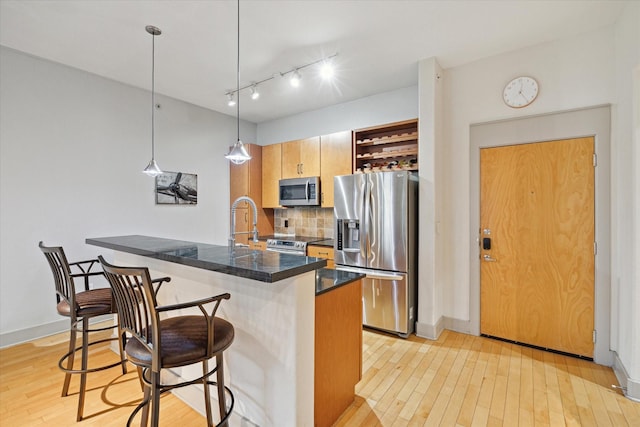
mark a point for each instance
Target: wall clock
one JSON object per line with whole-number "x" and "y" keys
{"x": 520, "y": 92}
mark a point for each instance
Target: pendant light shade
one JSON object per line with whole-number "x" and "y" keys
{"x": 152, "y": 168}
{"x": 238, "y": 153}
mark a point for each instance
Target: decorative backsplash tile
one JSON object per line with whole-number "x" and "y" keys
{"x": 313, "y": 222}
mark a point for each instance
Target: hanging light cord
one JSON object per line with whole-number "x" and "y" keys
{"x": 153, "y": 92}
{"x": 238, "y": 76}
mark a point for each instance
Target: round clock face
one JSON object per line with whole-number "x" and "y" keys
{"x": 520, "y": 92}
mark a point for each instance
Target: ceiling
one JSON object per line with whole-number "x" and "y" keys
{"x": 378, "y": 42}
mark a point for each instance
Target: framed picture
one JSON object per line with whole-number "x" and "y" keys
{"x": 176, "y": 188}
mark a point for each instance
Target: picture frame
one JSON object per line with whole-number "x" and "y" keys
{"x": 176, "y": 188}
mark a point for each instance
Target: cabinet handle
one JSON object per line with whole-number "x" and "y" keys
{"x": 301, "y": 169}
{"x": 246, "y": 217}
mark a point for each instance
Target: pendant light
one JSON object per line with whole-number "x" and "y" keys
{"x": 238, "y": 153}
{"x": 152, "y": 168}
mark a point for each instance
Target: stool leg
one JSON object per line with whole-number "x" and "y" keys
{"x": 147, "y": 396}
{"x": 207, "y": 394}
{"x": 72, "y": 347}
{"x": 83, "y": 375}
{"x": 155, "y": 398}
{"x": 122, "y": 339}
{"x": 220, "y": 381}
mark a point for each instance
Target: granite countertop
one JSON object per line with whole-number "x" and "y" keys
{"x": 242, "y": 262}
{"x": 328, "y": 279}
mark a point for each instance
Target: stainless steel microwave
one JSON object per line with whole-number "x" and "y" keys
{"x": 300, "y": 191}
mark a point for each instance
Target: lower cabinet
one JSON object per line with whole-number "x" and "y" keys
{"x": 322, "y": 252}
{"x": 338, "y": 351}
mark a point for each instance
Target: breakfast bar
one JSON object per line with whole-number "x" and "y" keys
{"x": 270, "y": 365}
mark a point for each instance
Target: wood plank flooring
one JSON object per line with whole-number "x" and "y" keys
{"x": 458, "y": 380}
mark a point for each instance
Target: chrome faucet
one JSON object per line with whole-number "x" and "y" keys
{"x": 232, "y": 236}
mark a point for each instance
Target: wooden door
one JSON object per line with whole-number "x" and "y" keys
{"x": 335, "y": 159}
{"x": 271, "y": 173}
{"x": 537, "y": 278}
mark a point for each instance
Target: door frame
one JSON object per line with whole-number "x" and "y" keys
{"x": 592, "y": 121}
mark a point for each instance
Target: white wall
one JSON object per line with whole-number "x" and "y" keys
{"x": 626, "y": 196}
{"x": 572, "y": 73}
{"x": 387, "y": 107}
{"x": 72, "y": 147}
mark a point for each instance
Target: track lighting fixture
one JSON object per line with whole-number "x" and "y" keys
{"x": 326, "y": 72}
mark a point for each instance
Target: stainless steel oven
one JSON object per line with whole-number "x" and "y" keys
{"x": 300, "y": 191}
{"x": 293, "y": 247}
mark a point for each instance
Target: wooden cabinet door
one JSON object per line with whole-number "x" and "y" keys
{"x": 335, "y": 159}
{"x": 301, "y": 158}
{"x": 537, "y": 270}
{"x": 271, "y": 174}
{"x": 243, "y": 225}
{"x": 238, "y": 182}
{"x": 290, "y": 159}
{"x": 310, "y": 157}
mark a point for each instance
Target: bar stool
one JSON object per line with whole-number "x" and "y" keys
{"x": 170, "y": 342}
{"x": 80, "y": 307}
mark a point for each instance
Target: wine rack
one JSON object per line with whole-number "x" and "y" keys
{"x": 393, "y": 146}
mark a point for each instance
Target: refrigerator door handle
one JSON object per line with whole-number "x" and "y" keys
{"x": 371, "y": 274}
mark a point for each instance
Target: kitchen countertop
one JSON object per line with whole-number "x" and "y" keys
{"x": 242, "y": 262}
{"x": 328, "y": 279}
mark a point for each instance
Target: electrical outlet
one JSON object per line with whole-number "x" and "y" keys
{"x": 286, "y": 223}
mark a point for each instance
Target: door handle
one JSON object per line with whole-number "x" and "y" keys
{"x": 487, "y": 258}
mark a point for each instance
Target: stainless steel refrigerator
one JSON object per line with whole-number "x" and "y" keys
{"x": 376, "y": 233}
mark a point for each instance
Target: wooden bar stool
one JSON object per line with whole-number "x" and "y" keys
{"x": 170, "y": 342}
{"x": 80, "y": 307}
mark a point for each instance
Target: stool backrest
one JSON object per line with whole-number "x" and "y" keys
{"x": 65, "y": 288}
{"x": 136, "y": 303}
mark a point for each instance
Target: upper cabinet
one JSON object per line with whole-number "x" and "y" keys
{"x": 301, "y": 158}
{"x": 390, "y": 146}
{"x": 271, "y": 174}
{"x": 335, "y": 159}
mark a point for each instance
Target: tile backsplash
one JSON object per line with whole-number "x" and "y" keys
{"x": 313, "y": 222}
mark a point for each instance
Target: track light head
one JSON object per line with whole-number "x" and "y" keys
{"x": 326, "y": 70}
{"x": 231, "y": 100}
{"x": 295, "y": 78}
{"x": 254, "y": 92}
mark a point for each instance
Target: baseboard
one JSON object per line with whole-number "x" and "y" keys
{"x": 457, "y": 325}
{"x": 428, "y": 331}
{"x": 10, "y": 339}
{"x": 630, "y": 387}
{"x": 432, "y": 332}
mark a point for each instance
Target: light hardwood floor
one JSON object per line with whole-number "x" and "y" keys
{"x": 458, "y": 380}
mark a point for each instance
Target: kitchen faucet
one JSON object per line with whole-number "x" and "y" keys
{"x": 232, "y": 236}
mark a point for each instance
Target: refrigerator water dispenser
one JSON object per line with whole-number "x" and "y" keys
{"x": 348, "y": 234}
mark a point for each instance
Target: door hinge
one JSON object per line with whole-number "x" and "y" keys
{"x": 595, "y": 248}
{"x": 595, "y": 160}
{"x": 594, "y": 335}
